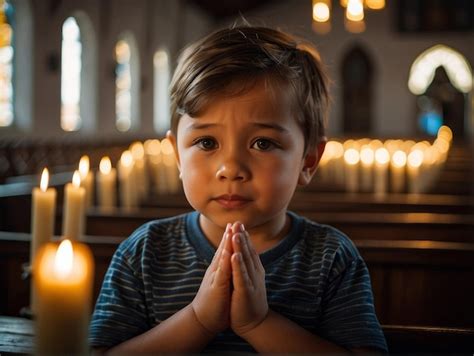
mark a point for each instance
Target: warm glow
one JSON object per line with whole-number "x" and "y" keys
{"x": 375, "y": 4}
{"x": 152, "y": 147}
{"x": 399, "y": 158}
{"x": 423, "y": 70}
{"x": 382, "y": 156}
{"x": 355, "y": 10}
{"x": 445, "y": 133}
{"x": 126, "y": 159}
{"x": 415, "y": 158}
{"x": 105, "y": 165}
{"x": 375, "y": 144}
{"x": 137, "y": 150}
{"x": 166, "y": 147}
{"x": 441, "y": 145}
{"x": 76, "y": 179}
{"x": 349, "y": 144}
{"x": 351, "y": 156}
{"x": 44, "y": 180}
{"x": 84, "y": 166}
{"x": 321, "y": 12}
{"x": 367, "y": 155}
{"x": 63, "y": 261}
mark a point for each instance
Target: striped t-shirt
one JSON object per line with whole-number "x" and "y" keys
{"x": 314, "y": 276}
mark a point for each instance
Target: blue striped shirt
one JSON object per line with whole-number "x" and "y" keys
{"x": 314, "y": 276}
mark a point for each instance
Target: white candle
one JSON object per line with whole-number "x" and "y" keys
{"x": 397, "y": 171}
{"x": 43, "y": 211}
{"x": 367, "y": 171}
{"x": 415, "y": 159}
{"x": 74, "y": 210}
{"x": 153, "y": 152}
{"x": 87, "y": 180}
{"x": 63, "y": 283}
{"x": 351, "y": 173}
{"x": 171, "y": 169}
{"x": 382, "y": 159}
{"x": 106, "y": 185}
{"x": 138, "y": 154}
{"x": 128, "y": 198}
{"x": 42, "y": 214}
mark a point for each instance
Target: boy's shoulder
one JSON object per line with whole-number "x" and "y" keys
{"x": 153, "y": 233}
{"x": 328, "y": 240}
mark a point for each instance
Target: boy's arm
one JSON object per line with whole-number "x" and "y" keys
{"x": 182, "y": 332}
{"x": 277, "y": 334}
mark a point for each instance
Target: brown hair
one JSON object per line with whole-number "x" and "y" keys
{"x": 242, "y": 55}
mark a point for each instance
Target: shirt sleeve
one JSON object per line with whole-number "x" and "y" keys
{"x": 348, "y": 316}
{"x": 120, "y": 311}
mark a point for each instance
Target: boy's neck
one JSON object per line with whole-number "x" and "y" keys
{"x": 263, "y": 237}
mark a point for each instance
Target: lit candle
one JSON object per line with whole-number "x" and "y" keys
{"x": 171, "y": 169}
{"x": 87, "y": 180}
{"x": 367, "y": 164}
{"x": 42, "y": 214}
{"x": 74, "y": 211}
{"x": 138, "y": 154}
{"x": 126, "y": 181}
{"x": 42, "y": 225}
{"x": 351, "y": 174}
{"x": 106, "y": 185}
{"x": 414, "y": 161}
{"x": 63, "y": 284}
{"x": 153, "y": 152}
{"x": 382, "y": 159}
{"x": 397, "y": 171}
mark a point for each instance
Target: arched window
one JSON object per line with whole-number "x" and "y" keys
{"x": 71, "y": 64}
{"x": 161, "y": 98}
{"x": 441, "y": 78}
{"x": 357, "y": 74}
{"x": 6, "y": 63}
{"x": 126, "y": 84}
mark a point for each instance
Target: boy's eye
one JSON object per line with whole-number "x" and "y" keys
{"x": 206, "y": 143}
{"x": 263, "y": 144}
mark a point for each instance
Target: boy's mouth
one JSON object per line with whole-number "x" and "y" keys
{"x": 231, "y": 201}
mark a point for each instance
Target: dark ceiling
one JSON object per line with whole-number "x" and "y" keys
{"x": 220, "y": 9}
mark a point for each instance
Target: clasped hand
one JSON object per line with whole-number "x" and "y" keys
{"x": 217, "y": 305}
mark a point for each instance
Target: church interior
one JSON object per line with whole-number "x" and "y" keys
{"x": 84, "y": 111}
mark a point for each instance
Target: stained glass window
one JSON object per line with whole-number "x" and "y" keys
{"x": 71, "y": 50}
{"x": 6, "y": 63}
{"x": 161, "y": 94}
{"x": 123, "y": 86}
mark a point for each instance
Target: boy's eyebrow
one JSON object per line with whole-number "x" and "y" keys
{"x": 273, "y": 126}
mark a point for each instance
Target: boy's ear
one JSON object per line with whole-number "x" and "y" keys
{"x": 310, "y": 163}
{"x": 170, "y": 136}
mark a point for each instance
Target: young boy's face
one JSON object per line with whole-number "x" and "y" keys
{"x": 242, "y": 159}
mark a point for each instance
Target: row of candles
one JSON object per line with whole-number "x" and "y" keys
{"x": 396, "y": 166}
{"x": 62, "y": 272}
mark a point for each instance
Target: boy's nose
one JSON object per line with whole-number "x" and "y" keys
{"x": 232, "y": 170}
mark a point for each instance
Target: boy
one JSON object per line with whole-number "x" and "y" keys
{"x": 248, "y": 111}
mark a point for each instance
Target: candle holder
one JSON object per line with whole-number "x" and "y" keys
{"x": 27, "y": 275}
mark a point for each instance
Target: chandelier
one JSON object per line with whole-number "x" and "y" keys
{"x": 353, "y": 14}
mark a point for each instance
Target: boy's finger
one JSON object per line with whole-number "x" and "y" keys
{"x": 223, "y": 271}
{"x": 246, "y": 255}
{"x": 217, "y": 254}
{"x": 240, "y": 276}
{"x": 257, "y": 263}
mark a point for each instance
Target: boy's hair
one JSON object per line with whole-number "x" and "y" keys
{"x": 230, "y": 61}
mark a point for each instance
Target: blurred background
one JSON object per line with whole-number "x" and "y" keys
{"x": 89, "y": 79}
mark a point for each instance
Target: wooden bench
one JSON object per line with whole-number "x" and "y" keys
{"x": 17, "y": 336}
{"x": 414, "y": 282}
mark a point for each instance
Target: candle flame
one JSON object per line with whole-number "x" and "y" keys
{"x": 351, "y": 156}
{"x": 105, "y": 165}
{"x": 63, "y": 260}
{"x": 44, "y": 180}
{"x": 399, "y": 158}
{"x": 367, "y": 155}
{"x": 415, "y": 158}
{"x": 84, "y": 166}
{"x": 153, "y": 147}
{"x": 355, "y": 10}
{"x": 126, "y": 159}
{"x": 382, "y": 156}
{"x": 138, "y": 152}
{"x": 166, "y": 147}
{"x": 76, "y": 179}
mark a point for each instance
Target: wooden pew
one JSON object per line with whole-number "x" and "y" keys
{"x": 414, "y": 282}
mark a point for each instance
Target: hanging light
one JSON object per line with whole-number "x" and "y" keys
{"x": 321, "y": 16}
